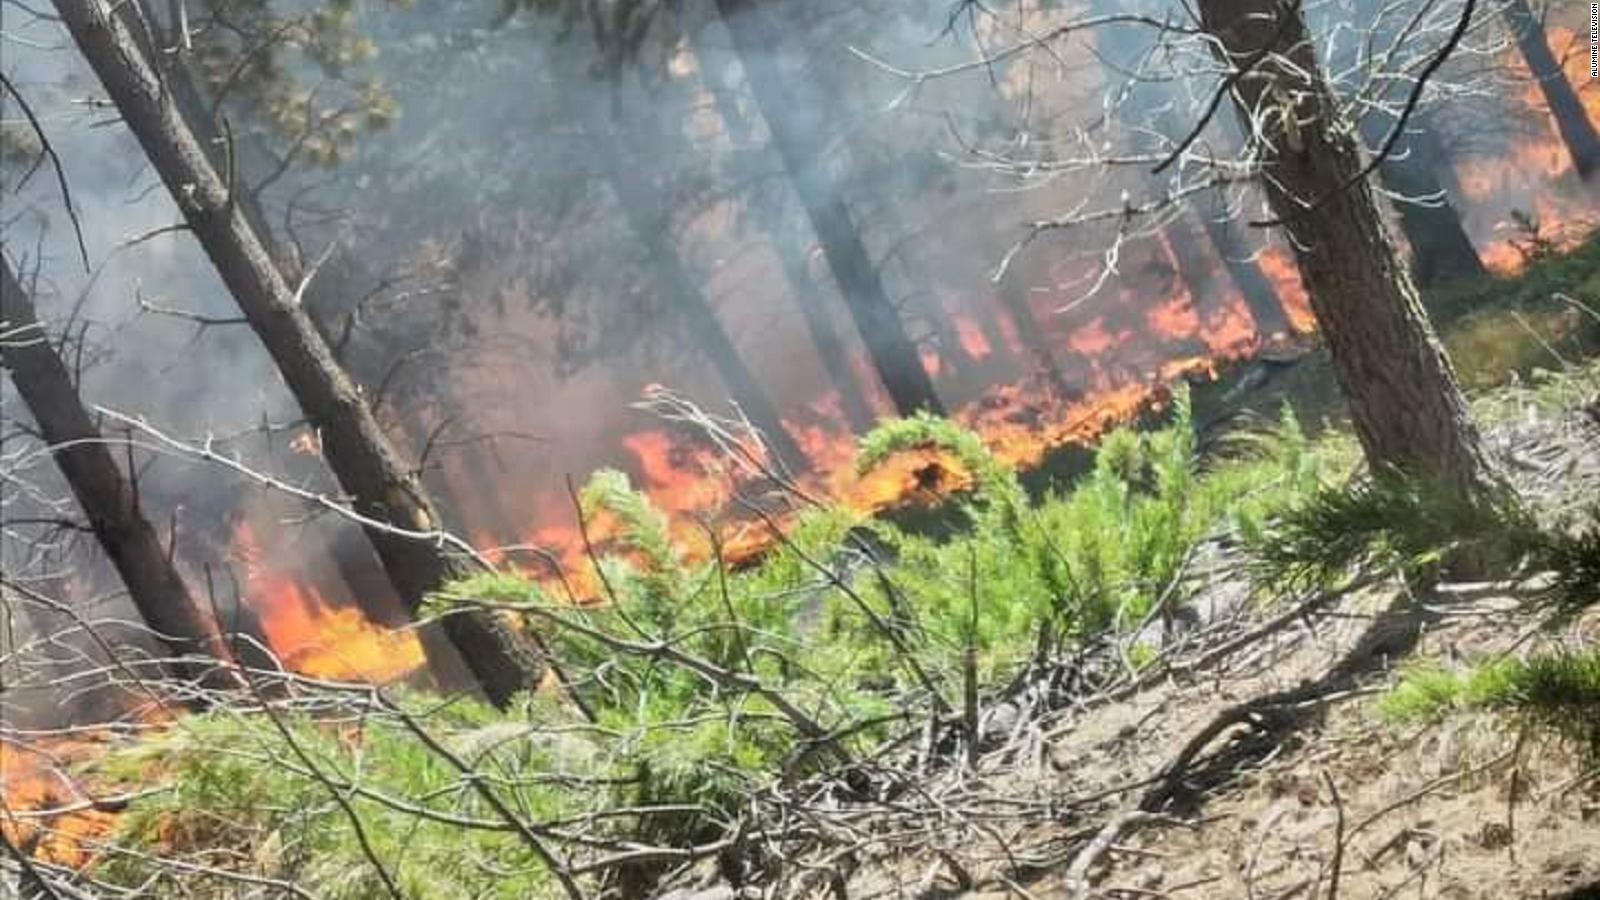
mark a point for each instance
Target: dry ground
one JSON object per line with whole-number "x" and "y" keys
{"x": 1249, "y": 762}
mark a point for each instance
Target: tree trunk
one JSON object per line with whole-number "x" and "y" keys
{"x": 807, "y": 294}
{"x": 794, "y": 130}
{"x": 1408, "y": 411}
{"x": 381, "y": 488}
{"x": 1014, "y": 300}
{"x": 1440, "y": 249}
{"x": 1572, "y": 121}
{"x": 109, "y": 501}
{"x": 641, "y": 204}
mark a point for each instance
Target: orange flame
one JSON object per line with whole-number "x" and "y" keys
{"x": 972, "y": 338}
{"x": 313, "y": 637}
{"x": 1279, "y": 267}
{"x": 46, "y": 810}
{"x": 1525, "y": 177}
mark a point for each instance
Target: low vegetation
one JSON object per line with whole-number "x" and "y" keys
{"x": 689, "y": 690}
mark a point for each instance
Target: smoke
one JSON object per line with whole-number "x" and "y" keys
{"x": 504, "y": 307}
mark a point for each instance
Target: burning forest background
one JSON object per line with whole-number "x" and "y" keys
{"x": 542, "y": 239}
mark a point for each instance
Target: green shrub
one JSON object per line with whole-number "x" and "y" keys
{"x": 1557, "y": 692}
{"x": 851, "y": 622}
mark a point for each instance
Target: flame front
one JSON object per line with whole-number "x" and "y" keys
{"x": 313, "y": 637}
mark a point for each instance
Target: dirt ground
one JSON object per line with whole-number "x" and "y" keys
{"x": 1316, "y": 798}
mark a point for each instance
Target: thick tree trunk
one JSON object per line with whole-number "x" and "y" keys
{"x": 108, "y": 500}
{"x": 1572, "y": 121}
{"x": 794, "y": 132}
{"x": 366, "y": 465}
{"x": 1408, "y": 411}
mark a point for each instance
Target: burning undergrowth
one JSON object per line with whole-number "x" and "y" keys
{"x": 685, "y": 684}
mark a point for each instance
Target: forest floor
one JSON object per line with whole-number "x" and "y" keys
{"x": 1250, "y": 759}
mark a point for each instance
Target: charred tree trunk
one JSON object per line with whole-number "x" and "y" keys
{"x": 1408, "y": 411}
{"x": 381, "y": 488}
{"x": 1572, "y": 121}
{"x": 109, "y": 501}
{"x": 793, "y": 130}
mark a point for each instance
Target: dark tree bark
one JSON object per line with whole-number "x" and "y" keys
{"x": 109, "y": 501}
{"x": 381, "y": 488}
{"x": 794, "y": 128}
{"x": 1572, "y": 121}
{"x": 1408, "y": 411}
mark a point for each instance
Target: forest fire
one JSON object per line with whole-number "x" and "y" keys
{"x": 1120, "y": 366}
{"x": 45, "y": 810}
{"x": 1541, "y": 220}
{"x": 635, "y": 276}
{"x": 313, "y": 637}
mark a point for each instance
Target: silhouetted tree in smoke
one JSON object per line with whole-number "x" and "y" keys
{"x": 643, "y": 205}
{"x": 807, "y": 294}
{"x": 1149, "y": 103}
{"x": 1572, "y": 121}
{"x": 796, "y": 129}
{"x": 1012, "y": 293}
{"x": 401, "y": 521}
{"x": 1407, "y": 408}
{"x": 1441, "y": 251}
{"x": 110, "y": 502}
